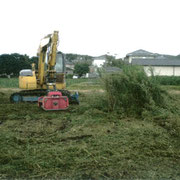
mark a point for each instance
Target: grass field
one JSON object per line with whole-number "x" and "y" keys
{"x": 70, "y": 83}
{"x": 8, "y": 83}
{"x": 86, "y": 141}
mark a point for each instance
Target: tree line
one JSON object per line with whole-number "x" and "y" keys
{"x": 12, "y": 64}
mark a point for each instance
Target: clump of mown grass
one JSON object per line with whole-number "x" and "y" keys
{"x": 133, "y": 91}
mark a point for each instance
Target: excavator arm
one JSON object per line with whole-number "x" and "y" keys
{"x": 47, "y": 57}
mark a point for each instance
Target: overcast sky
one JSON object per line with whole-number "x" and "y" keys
{"x": 92, "y": 27}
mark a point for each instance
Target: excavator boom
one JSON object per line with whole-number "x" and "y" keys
{"x": 47, "y": 57}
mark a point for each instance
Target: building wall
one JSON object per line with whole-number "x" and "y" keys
{"x": 70, "y": 66}
{"x": 177, "y": 71}
{"x": 99, "y": 62}
{"x": 163, "y": 70}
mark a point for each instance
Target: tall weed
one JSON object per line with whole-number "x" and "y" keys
{"x": 132, "y": 91}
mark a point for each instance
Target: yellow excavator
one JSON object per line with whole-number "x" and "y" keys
{"x": 49, "y": 76}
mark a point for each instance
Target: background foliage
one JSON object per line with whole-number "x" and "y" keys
{"x": 168, "y": 80}
{"x": 11, "y": 64}
{"x": 81, "y": 69}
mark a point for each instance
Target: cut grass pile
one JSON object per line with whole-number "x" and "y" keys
{"x": 87, "y": 142}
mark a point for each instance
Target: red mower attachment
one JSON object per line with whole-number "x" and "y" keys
{"x": 53, "y": 101}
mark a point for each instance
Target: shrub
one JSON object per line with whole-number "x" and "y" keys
{"x": 132, "y": 91}
{"x": 168, "y": 80}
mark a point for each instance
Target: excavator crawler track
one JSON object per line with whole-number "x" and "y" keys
{"x": 33, "y": 95}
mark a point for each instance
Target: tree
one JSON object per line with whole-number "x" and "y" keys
{"x": 81, "y": 69}
{"x": 111, "y": 61}
{"x": 34, "y": 60}
{"x": 13, "y": 63}
{"x": 78, "y": 58}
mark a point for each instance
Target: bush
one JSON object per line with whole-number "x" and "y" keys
{"x": 168, "y": 80}
{"x": 132, "y": 91}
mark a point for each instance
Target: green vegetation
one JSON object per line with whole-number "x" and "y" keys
{"x": 132, "y": 91}
{"x": 81, "y": 69}
{"x": 168, "y": 80}
{"x": 9, "y": 83}
{"x": 11, "y": 64}
{"x": 89, "y": 141}
{"x": 111, "y": 61}
{"x": 84, "y": 84}
{"x": 70, "y": 83}
{"x": 77, "y": 57}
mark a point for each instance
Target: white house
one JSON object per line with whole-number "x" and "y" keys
{"x": 99, "y": 61}
{"x": 160, "y": 65}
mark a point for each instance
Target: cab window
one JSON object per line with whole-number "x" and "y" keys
{"x": 26, "y": 72}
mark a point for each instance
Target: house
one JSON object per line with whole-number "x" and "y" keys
{"x": 99, "y": 61}
{"x": 69, "y": 68}
{"x": 69, "y": 65}
{"x": 159, "y": 66}
{"x": 142, "y": 54}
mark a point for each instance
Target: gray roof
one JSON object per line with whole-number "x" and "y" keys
{"x": 156, "y": 62}
{"x": 141, "y": 53}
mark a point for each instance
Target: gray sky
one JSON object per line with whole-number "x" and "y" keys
{"x": 92, "y": 27}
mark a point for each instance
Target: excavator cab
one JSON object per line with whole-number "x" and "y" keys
{"x": 60, "y": 71}
{"x": 60, "y": 63}
{"x": 27, "y": 79}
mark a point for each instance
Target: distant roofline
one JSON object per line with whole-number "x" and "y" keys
{"x": 141, "y": 53}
